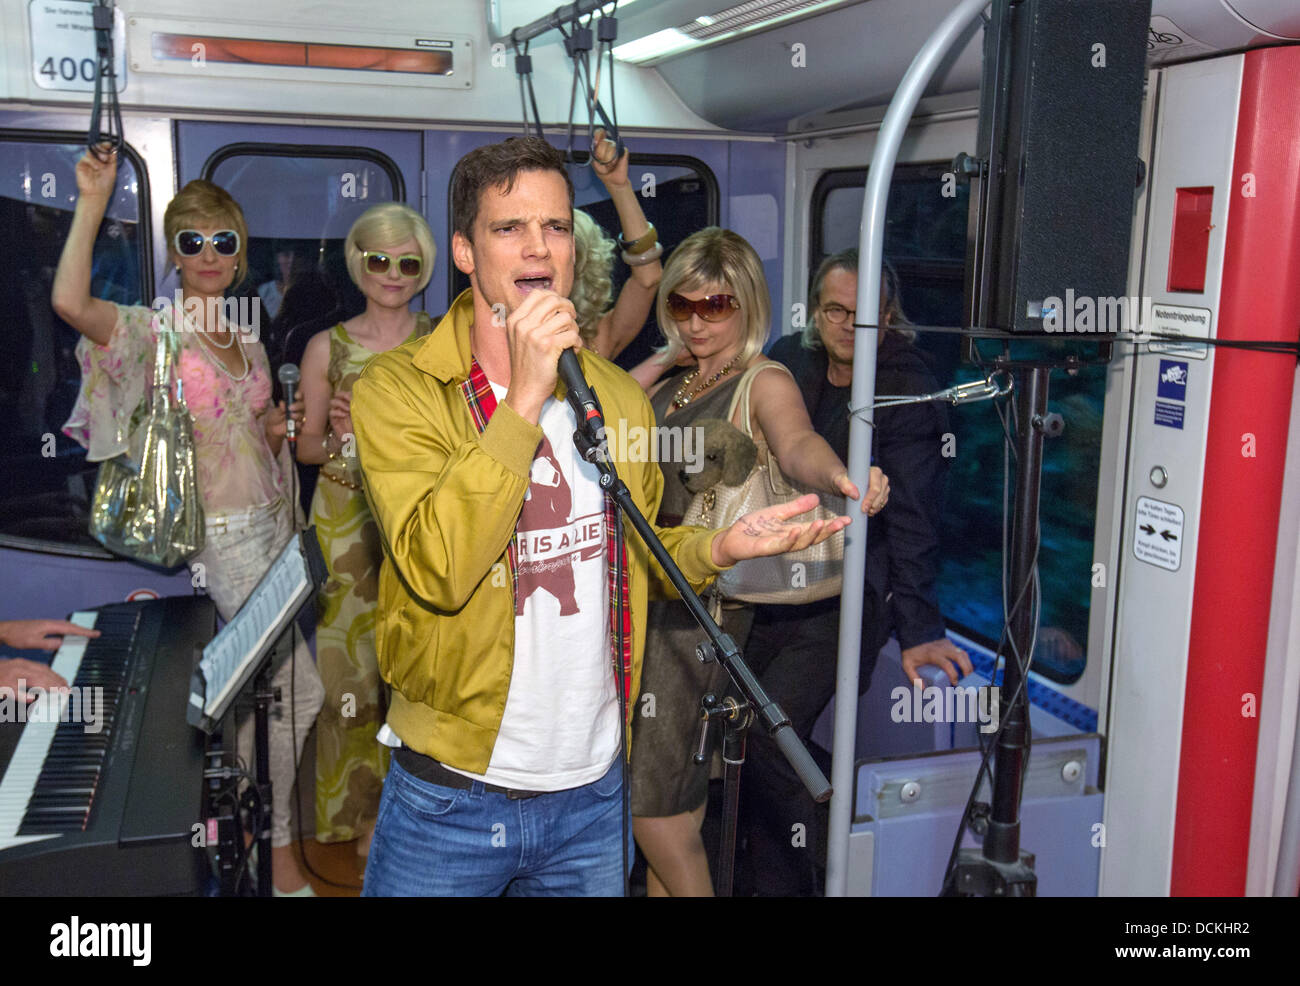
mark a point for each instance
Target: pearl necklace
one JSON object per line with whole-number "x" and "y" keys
{"x": 229, "y": 342}
{"x": 234, "y": 338}
{"x": 681, "y": 398}
{"x": 191, "y": 324}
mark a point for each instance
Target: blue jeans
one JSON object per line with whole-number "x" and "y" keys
{"x": 435, "y": 841}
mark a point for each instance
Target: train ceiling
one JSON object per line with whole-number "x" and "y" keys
{"x": 734, "y": 63}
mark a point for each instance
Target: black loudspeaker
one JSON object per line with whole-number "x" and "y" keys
{"x": 1057, "y": 163}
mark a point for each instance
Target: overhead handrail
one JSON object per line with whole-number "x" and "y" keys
{"x": 579, "y": 41}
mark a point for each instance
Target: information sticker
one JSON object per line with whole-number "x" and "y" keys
{"x": 63, "y": 45}
{"x": 1179, "y": 320}
{"x": 1158, "y": 533}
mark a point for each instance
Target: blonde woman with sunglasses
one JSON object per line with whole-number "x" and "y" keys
{"x": 243, "y": 465}
{"x": 390, "y": 255}
{"x": 714, "y": 304}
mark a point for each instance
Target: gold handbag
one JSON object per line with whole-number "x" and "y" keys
{"x": 794, "y": 577}
{"x": 146, "y": 504}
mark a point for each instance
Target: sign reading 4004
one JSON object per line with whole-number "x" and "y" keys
{"x": 63, "y": 45}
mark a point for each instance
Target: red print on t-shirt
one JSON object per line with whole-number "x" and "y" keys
{"x": 549, "y": 541}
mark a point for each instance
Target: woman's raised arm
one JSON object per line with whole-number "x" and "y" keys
{"x": 621, "y": 324}
{"x": 93, "y": 317}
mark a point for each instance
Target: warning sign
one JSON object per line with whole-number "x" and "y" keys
{"x": 1158, "y": 533}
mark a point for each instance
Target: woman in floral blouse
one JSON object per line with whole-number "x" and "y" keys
{"x": 243, "y": 466}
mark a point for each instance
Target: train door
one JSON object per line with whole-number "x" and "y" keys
{"x": 1202, "y": 698}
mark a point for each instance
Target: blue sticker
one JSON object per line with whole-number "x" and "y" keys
{"x": 1169, "y": 415}
{"x": 1173, "y": 380}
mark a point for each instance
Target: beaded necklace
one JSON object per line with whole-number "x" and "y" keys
{"x": 681, "y": 398}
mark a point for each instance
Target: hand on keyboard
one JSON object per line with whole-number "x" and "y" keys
{"x": 39, "y": 634}
{"x": 31, "y": 674}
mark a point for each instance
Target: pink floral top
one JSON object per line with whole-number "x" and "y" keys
{"x": 236, "y": 469}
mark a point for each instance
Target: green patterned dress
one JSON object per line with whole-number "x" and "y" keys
{"x": 350, "y": 762}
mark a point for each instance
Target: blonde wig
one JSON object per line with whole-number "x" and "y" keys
{"x": 384, "y": 226}
{"x": 593, "y": 263}
{"x": 717, "y": 258}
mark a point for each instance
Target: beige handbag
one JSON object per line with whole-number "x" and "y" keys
{"x": 794, "y": 577}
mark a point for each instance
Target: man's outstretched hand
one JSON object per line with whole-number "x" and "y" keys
{"x": 773, "y": 531}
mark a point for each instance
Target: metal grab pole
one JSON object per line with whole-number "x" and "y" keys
{"x": 871, "y": 255}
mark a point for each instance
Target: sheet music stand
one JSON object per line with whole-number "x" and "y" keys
{"x": 240, "y": 655}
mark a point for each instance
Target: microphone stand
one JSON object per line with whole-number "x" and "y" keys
{"x": 736, "y": 714}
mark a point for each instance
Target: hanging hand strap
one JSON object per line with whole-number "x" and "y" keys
{"x": 105, "y": 110}
{"x": 524, "y": 69}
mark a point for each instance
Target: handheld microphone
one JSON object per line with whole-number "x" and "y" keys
{"x": 289, "y": 376}
{"x": 580, "y": 397}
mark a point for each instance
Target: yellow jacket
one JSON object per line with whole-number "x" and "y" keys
{"x": 447, "y": 499}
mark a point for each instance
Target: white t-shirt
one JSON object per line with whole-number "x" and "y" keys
{"x": 560, "y": 726}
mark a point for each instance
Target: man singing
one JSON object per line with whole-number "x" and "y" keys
{"x": 497, "y": 625}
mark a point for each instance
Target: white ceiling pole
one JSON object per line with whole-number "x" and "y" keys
{"x": 871, "y": 245}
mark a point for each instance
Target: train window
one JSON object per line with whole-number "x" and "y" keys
{"x": 45, "y": 481}
{"x": 682, "y": 198}
{"x": 925, "y": 241}
{"x": 300, "y": 202}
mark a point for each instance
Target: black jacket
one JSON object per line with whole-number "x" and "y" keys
{"x": 908, "y": 444}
